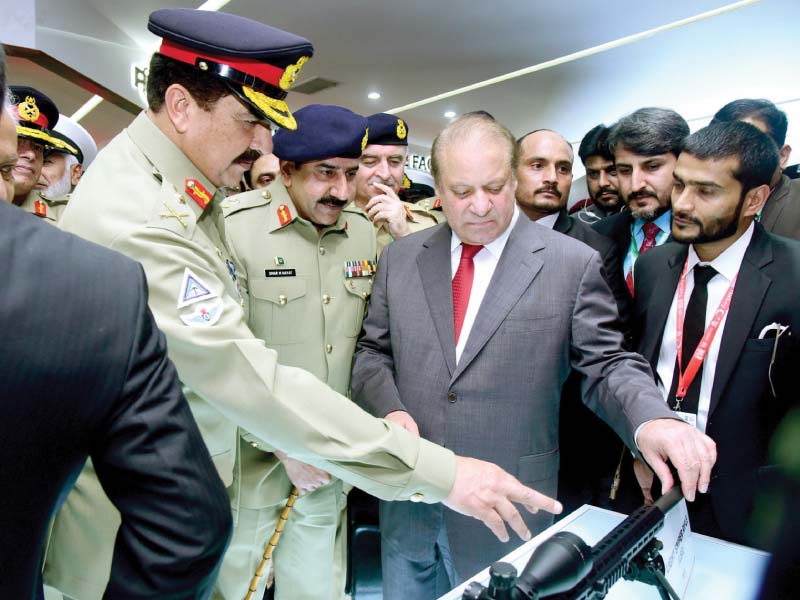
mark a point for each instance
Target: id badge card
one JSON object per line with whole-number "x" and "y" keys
{"x": 690, "y": 418}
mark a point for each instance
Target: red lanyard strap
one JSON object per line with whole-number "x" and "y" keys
{"x": 685, "y": 378}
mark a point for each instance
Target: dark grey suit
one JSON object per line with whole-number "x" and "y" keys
{"x": 547, "y": 310}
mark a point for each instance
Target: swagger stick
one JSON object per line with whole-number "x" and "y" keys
{"x": 273, "y": 542}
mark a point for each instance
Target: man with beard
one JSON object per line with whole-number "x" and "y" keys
{"x": 214, "y": 87}
{"x": 64, "y": 166}
{"x": 544, "y": 176}
{"x": 601, "y": 178}
{"x": 781, "y": 213}
{"x": 380, "y": 178}
{"x": 308, "y": 307}
{"x": 719, "y": 310}
{"x": 645, "y": 144}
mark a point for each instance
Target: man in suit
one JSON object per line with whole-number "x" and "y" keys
{"x": 645, "y": 144}
{"x": 154, "y": 193}
{"x": 727, "y": 294}
{"x": 85, "y": 373}
{"x": 601, "y": 178}
{"x": 448, "y": 361}
{"x": 781, "y": 213}
{"x": 544, "y": 176}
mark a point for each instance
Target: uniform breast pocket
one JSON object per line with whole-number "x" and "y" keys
{"x": 277, "y": 310}
{"x": 359, "y": 290}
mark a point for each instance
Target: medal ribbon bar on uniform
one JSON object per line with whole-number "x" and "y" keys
{"x": 359, "y": 268}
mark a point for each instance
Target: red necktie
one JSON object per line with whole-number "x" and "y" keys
{"x": 462, "y": 284}
{"x": 650, "y": 232}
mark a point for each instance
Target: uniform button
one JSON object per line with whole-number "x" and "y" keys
{"x": 322, "y": 250}
{"x": 451, "y": 397}
{"x": 417, "y": 497}
{"x": 364, "y": 295}
{"x": 326, "y": 298}
{"x": 281, "y": 299}
{"x": 266, "y": 195}
{"x": 328, "y": 348}
{"x": 254, "y": 444}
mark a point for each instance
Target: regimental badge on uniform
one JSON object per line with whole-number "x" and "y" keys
{"x": 359, "y": 268}
{"x": 204, "y": 305}
{"x": 198, "y": 192}
{"x": 284, "y": 215}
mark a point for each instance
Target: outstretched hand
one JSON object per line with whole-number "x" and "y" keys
{"x": 485, "y": 491}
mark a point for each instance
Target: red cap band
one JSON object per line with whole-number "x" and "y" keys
{"x": 261, "y": 70}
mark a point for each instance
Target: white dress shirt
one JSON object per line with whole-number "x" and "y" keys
{"x": 485, "y": 262}
{"x": 727, "y": 266}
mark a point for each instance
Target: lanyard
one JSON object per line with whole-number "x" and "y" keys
{"x": 685, "y": 378}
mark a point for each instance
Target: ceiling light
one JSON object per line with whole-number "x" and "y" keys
{"x": 450, "y": 114}
{"x": 374, "y": 95}
{"x": 87, "y": 107}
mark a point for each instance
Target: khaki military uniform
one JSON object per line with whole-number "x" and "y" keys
{"x": 434, "y": 206}
{"x": 49, "y": 209}
{"x": 142, "y": 197}
{"x": 308, "y": 292}
{"x": 418, "y": 218}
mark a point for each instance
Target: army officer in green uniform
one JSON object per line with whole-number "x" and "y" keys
{"x": 154, "y": 194}
{"x": 307, "y": 261}
{"x": 36, "y": 115}
{"x": 380, "y": 179}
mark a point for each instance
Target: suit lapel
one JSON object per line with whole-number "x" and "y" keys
{"x": 563, "y": 223}
{"x": 434, "y": 267}
{"x": 751, "y": 286}
{"x": 516, "y": 269}
{"x": 659, "y": 303}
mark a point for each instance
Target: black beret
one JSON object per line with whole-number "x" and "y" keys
{"x": 323, "y": 131}
{"x": 35, "y": 113}
{"x": 258, "y": 62}
{"x": 387, "y": 130}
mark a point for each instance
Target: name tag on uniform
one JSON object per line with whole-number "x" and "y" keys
{"x": 280, "y": 272}
{"x": 689, "y": 418}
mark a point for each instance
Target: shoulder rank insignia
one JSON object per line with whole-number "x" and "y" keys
{"x": 193, "y": 289}
{"x": 40, "y": 208}
{"x": 198, "y": 193}
{"x": 437, "y": 203}
{"x": 284, "y": 215}
{"x": 359, "y": 268}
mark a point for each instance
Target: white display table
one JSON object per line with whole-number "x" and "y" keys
{"x": 721, "y": 569}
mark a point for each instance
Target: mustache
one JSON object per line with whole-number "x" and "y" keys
{"x": 687, "y": 217}
{"x": 248, "y": 155}
{"x": 552, "y": 189}
{"x": 390, "y": 181}
{"x": 641, "y": 194}
{"x": 333, "y": 201}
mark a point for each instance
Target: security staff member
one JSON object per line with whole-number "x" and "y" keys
{"x": 36, "y": 115}
{"x": 380, "y": 179}
{"x": 153, "y": 193}
{"x": 308, "y": 306}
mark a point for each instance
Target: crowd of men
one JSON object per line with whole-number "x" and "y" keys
{"x": 451, "y": 357}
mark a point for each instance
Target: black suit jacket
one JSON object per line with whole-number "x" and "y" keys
{"x": 586, "y": 477}
{"x": 84, "y": 372}
{"x": 744, "y": 411}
